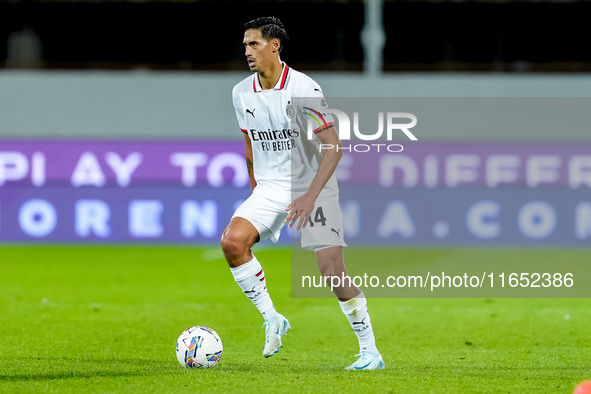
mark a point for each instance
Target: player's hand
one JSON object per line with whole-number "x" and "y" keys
{"x": 301, "y": 208}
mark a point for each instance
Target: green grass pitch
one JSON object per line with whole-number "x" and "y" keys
{"x": 105, "y": 319}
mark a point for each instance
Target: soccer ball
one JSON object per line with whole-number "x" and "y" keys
{"x": 199, "y": 347}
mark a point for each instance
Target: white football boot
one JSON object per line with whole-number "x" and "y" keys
{"x": 367, "y": 362}
{"x": 274, "y": 330}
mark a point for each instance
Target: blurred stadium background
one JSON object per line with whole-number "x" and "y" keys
{"x": 420, "y": 36}
{"x": 102, "y": 69}
{"x": 135, "y": 69}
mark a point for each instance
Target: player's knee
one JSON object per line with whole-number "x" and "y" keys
{"x": 232, "y": 247}
{"x": 228, "y": 244}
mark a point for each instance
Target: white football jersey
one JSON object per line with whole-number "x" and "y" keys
{"x": 285, "y": 160}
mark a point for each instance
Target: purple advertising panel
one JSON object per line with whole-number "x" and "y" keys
{"x": 532, "y": 166}
{"x": 99, "y": 164}
{"x": 186, "y": 192}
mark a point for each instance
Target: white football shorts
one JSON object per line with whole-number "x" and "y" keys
{"x": 324, "y": 230}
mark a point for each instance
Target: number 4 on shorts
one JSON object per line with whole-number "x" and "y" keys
{"x": 318, "y": 217}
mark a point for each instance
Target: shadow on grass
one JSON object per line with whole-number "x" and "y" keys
{"x": 41, "y": 369}
{"x": 38, "y": 369}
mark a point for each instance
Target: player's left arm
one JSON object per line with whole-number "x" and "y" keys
{"x": 301, "y": 208}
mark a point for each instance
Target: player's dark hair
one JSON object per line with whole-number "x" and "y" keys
{"x": 270, "y": 27}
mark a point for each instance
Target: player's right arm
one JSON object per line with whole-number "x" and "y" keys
{"x": 247, "y": 143}
{"x": 249, "y": 161}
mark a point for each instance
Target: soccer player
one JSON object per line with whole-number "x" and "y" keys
{"x": 291, "y": 179}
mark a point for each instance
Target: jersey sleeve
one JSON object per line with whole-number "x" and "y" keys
{"x": 239, "y": 110}
{"x": 313, "y": 109}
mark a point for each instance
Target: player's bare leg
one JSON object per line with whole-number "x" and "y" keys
{"x": 354, "y": 305}
{"x": 331, "y": 263}
{"x": 237, "y": 240}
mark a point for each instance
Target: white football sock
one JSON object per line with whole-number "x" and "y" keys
{"x": 251, "y": 279}
{"x": 356, "y": 311}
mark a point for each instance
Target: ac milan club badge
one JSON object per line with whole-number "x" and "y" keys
{"x": 290, "y": 111}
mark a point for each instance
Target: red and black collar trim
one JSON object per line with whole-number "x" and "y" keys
{"x": 255, "y": 79}
{"x": 284, "y": 76}
{"x": 256, "y": 84}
